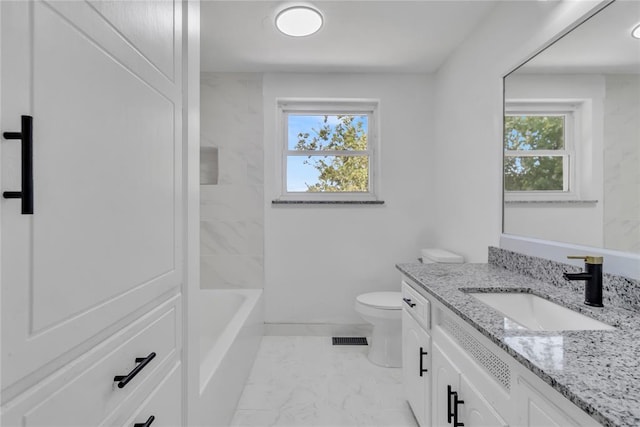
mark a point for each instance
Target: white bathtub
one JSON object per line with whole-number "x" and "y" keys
{"x": 231, "y": 327}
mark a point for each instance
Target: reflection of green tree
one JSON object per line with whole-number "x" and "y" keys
{"x": 533, "y": 133}
{"x": 338, "y": 173}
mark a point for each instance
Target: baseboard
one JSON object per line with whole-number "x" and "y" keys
{"x": 317, "y": 329}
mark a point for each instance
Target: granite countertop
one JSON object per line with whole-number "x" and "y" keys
{"x": 599, "y": 371}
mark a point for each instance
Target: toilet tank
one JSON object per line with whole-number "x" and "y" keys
{"x": 434, "y": 255}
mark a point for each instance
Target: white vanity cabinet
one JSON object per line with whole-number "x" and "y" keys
{"x": 472, "y": 382}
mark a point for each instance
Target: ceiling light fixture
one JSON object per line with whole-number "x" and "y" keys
{"x": 635, "y": 33}
{"x": 299, "y": 21}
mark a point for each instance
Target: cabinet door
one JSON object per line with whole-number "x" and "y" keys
{"x": 547, "y": 408}
{"x": 446, "y": 377}
{"x": 476, "y": 411}
{"x": 102, "y": 82}
{"x": 416, "y": 368}
{"x": 473, "y": 410}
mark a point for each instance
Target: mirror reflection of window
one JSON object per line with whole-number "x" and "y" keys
{"x": 585, "y": 189}
{"x": 535, "y": 154}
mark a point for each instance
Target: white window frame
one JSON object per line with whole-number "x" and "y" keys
{"x": 329, "y": 107}
{"x": 571, "y": 111}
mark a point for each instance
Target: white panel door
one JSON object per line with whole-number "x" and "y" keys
{"x": 416, "y": 368}
{"x": 476, "y": 411}
{"x": 105, "y": 235}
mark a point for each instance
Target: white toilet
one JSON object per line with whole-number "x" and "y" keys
{"x": 384, "y": 311}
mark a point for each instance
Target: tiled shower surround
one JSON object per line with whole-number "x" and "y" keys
{"x": 231, "y": 211}
{"x": 621, "y": 159}
{"x": 617, "y": 290}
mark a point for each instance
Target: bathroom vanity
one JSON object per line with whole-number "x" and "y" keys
{"x": 465, "y": 363}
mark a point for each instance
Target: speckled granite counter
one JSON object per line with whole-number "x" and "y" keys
{"x": 599, "y": 371}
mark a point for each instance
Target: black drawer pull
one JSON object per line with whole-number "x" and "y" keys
{"x": 456, "y": 402}
{"x": 453, "y": 416}
{"x": 146, "y": 423}
{"x": 123, "y": 380}
{"x": 449, "y": 413}
{"x": 422, "y": 354}
{"x": 26, "y": 137}
{"x": 408, "y": 301}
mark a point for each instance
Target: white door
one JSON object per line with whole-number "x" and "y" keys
{"x": 446, "y": 381}
{"x": 476, "y": 411}
{"x": 102, "y": 81}
{"x": 416, "y": 368}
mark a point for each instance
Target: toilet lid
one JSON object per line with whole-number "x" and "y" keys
{"x": 382, "y": 300}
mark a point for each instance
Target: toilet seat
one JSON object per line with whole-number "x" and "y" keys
{"x": 381, "y": 300}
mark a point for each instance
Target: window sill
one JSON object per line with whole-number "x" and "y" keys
{"x": 327, "y": 202}
{"x": 551, "y": 202}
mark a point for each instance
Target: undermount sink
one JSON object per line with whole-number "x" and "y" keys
{"x": 538, "y": 314}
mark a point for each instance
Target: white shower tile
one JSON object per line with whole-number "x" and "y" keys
{"x": 255, "y": 167}
{"x": 232, "y": 166}
{"x": 255, "y": 237}
{"x": 233, "y": 271}
{"x": 223, "y": 237}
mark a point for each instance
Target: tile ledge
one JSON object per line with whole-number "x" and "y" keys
{"x": 327, "y": 202}
{"x": 554, "y": 202}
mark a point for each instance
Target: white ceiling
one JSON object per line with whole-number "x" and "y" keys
{"x": 357, "y": 36}
{"x": 602, "y": 44}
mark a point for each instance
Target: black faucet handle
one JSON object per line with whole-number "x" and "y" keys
{"x": 588, "y": 259}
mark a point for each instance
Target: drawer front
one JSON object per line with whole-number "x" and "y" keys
{"x": 421, "y": 311}
{"x": 164, "y": 403}
{"x": 84, "y": 392}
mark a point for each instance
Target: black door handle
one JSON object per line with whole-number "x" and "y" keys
{"x": 422, "y": 354}
{"x": 449, "y": 395}
{"x": 26, "y": 137}
{"x": 456, "y": 402}
{"x": 123, "y": 380}
{"x": 146, "y": 423}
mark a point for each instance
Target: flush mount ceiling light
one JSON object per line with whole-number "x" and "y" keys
{"x": 635, "y": 33}
{"x": 299, "y": 21}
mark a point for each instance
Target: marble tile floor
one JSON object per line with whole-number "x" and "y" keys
{"x": 306, "y": 381}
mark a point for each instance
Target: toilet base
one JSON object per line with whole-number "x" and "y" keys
{"x": 385, "y": 348}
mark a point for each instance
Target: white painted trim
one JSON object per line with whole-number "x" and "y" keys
{"x": 318, "y": 329}
{"x": 191, "y": 156}
{"x": 615, "y": 262}
{"x": 330, "y": 106}
{"x": 571, "y": 110}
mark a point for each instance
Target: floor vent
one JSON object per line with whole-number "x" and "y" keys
{"x": 349, "y": 341}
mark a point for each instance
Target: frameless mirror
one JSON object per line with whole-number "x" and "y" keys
{"x": 572, "y": 136}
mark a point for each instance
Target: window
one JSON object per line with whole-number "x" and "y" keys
{"x": 539, "y": 155}
{"x": 328, "y": 150}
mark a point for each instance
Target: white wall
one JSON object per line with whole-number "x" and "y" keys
{"x": 231, "y": 214}
{"x": 319, "y": 258}
{"x": 468, "y": 139}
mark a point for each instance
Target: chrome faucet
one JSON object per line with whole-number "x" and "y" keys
{"x": 592, "y": 277}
